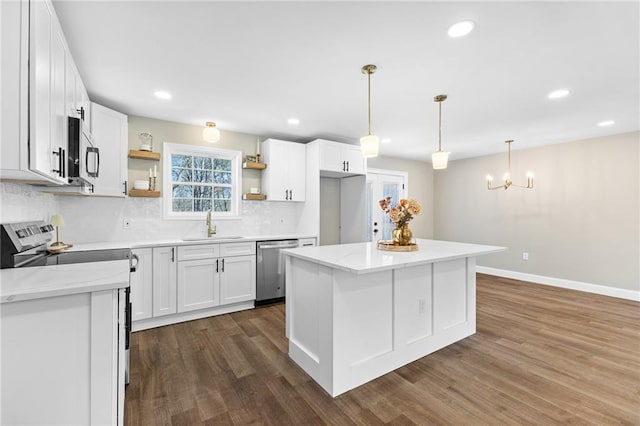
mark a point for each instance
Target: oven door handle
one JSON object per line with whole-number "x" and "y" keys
{"x": 134, "y": 266}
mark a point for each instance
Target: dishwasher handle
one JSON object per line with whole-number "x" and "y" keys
{"x": 277, "y": 247}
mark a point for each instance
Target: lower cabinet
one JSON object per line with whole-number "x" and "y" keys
{"x": 238, "y": 279}
{"x": 210, "y": 280}
{"x": 170, "y": 281}
{"x": 198, "y": 284}
{"x": 164, "y": 281}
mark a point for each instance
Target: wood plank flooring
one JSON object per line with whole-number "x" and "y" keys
{"x": 541, "y": 355}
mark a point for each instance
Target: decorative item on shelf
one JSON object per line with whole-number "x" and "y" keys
{"x": 58, "y": 221}
{"x": 153, "y": 175}
{"x": 439, "y": 159}
{"x": 146, "y": 141}
{"x": 141, "y": 185}
{"x": 257, "y": 150}
{"x": 401, "y": 214}
{"x": 250, "y": 159}
{"x": 210, "y": 133}
{"x": 369, "y": 144}
{"x": 507, "y": 176}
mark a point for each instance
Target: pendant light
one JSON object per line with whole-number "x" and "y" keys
{"x": 439, "y": 159}
{"x": 507, "y": 176}
{"x": 369, "y": 144}
{"x": 210, "y": 133}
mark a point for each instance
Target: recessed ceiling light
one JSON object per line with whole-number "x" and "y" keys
{"x": 293, "y": 121}
{"x": 606, "y": 123}
{"x": 386, "y": 140}
{"x": 461, "y": 29}
{"x": 161, "y": 94}
{"x": 557, "y": 94}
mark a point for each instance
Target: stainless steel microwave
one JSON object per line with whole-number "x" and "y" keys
{"x": 83, "y": 156}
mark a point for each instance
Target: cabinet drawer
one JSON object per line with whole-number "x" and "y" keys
{"x": 237, "y": 249}
{"x": 200, "y": 251}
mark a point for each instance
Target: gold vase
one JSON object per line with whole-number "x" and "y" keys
{"x": 402, "y": 235}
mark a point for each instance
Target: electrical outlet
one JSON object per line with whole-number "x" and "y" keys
{"x": 525, "y": 255}
{"x": 422, "y": 306}
{"x": 126, "y": 223}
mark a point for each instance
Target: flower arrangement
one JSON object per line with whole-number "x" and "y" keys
{"x": 402, "y": 213}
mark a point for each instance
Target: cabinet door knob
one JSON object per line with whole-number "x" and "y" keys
{"x": 217, "y": 260}
{"x": 291, "y": 194}
{"x": 222, "y": 265}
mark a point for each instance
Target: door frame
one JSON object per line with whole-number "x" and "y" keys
{"x": 396, "y": 173}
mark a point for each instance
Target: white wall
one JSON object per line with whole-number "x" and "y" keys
{"x": 581, "y": 222}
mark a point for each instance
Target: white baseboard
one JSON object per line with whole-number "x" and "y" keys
{"x": 559, "y": 282}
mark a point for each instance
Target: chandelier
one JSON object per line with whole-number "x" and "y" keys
{"x": 507, "y": 176}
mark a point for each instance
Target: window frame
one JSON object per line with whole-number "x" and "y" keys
{"x": 169, "y": 149}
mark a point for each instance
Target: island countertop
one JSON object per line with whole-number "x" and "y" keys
{"x": 362, "y": 258}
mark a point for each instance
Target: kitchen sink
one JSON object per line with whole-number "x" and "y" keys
{"x": 215, "y": 238}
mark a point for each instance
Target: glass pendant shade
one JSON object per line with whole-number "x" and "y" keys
{"x": 439, "y": 160}
{"x": 210, "y": 133}
{"x": 369, "y": 145}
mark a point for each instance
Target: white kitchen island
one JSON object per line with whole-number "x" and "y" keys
{"x": 354, "y": 312}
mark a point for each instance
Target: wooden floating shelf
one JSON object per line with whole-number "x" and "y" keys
{"x": 144, "y": 155}
{"x": 254, "y": 165}
{"x": 256, "y": 197}
{"x": 143, "y": 193}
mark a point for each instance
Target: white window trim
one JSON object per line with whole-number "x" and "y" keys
{"x": 236, "y": 169}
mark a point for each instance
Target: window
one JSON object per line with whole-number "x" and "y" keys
{"x": 200, "y": 179}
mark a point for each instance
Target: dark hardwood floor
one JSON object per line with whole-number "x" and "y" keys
{"x": 541, "y": 355}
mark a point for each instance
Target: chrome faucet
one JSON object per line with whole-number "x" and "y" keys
{"x": 211, "y": 230}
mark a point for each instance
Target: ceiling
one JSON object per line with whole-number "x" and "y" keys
{"x": 249, "y": 66}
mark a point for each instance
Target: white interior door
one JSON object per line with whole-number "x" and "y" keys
{"x": 382, "y": 184}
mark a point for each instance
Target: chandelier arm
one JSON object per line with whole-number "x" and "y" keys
{"x": 527, "y": 186}
{"x": 491, "y": 188}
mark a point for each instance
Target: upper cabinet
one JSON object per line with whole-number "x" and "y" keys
{"x": 284, "y": 179}
{"x": 110, "y": 135}
{"x": 40, "y": 89}
{"x": 340, "y": 159}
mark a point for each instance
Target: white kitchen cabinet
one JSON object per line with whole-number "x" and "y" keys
{"x": 109, "y": 129}
{"x": 237, "y": 279}
{"x": 36, "y": 87}
{"x": 164, "y": 281}
{"x": 284, "y": 178}
{"x": 216, "y": 274}
{"x": 62, "y": 359}
{"x": 198, "y": 284}
{"x": 341, "y": 158}
{"x": 141, "y": 283}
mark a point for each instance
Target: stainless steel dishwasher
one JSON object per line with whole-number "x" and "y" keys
{"x": 270, "y": 273}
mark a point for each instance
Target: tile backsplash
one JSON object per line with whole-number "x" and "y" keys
{"x": 92, "y": 219}
{"x": 21, "y": 202}
{"x": 97, "y": 219}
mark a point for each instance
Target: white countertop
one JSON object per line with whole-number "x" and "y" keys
{"x": 56, "y": 280}
{"x": 37, "y": 282}
{"x": 362, "y": 258}
{"x": 181, "y": 242}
